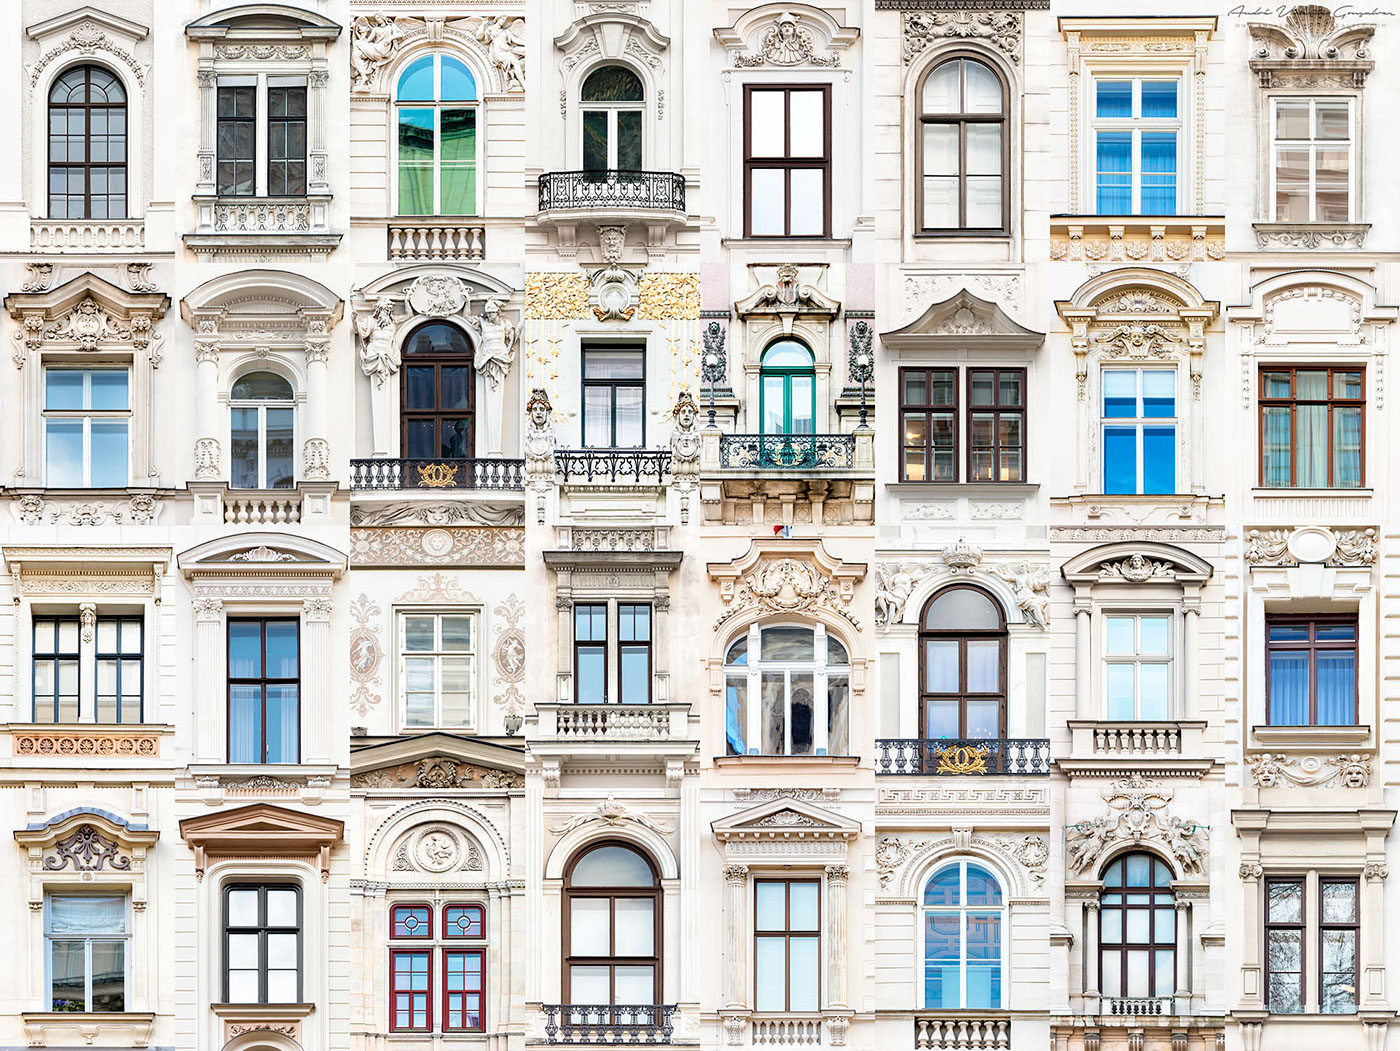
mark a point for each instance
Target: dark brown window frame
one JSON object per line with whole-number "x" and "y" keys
{"x": 962, "y": 638}
{"x": 263, "y": 929}
{"x": 592, "y": 644}
{"x": 87, "y": 164}
{"x": 611, "y": 894}
{"x": 437, "y": 414}
{"x": 1293, "y": 401}
{"x": 928, "y": 411}
{"x": 262, "y": 680}
{"x": 1311, "y": 648}
{"x": 286, "y": 122}
{"x": 612, "y": 385}
{"x": 251, "y": 121}
{"x": 1354, "y": 927}
{"x": 1301, "y": 926}
{"x": 787, "y": 934}
{"x": 1123, "y": 947}
{"x": 996, "y": 410}
{"x": 961, "y": 120}
{"x": 785, "y": 162}
{"x": 624, "y": 646}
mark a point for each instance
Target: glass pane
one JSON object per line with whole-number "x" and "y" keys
{"x": 1114, "y": 98}
{"x": 108, "y": 389}
{"x": 767, "y": 202}
{"x": 595, "y": 140}
{"x": 280, "y": 454}
{"x": 1285, "y": 902}
{"x": 611, "y": 84}
{"x": 282, "y": 724}
{"x": 1155, "y": 682}
{"x": 1119, "y": 393}
{"x": 629, "y": 140}
{"x": 736, "y": 714}
{"x": 1159, "y": 393}
{"x": 941, "y": 666}
{"x": 962, "y": 609}
{"x": 774, "y": 715}
{"x": 1159, "y": 459}
{"x": 1288, "y": 689}
{"x": 634, "y": 985}
{"x": 63, "y": 454}
{"x": 109, "y": 454}
{"x": 1336, "y": 688}
{"x": 982, "y": 887}
{"x": 787, "y": 644}
{"x": 941, "y": 89}
{"x": 1291, "y": 119}
{"x": 281, "y": 649}
{"x": 612, "y": 866}
{"x": 1119, "y": 636}
{"x": 808, "y": 125}
{"x": 457, "y": 633}
{"x": 983, "y": 90}
{"x": 635, "y": 927}
{"x": 1154, "y": 635}
{"x": 260, "y": 386}
{"x": 803, "y": 906}
{"x": 589, "y": 924}
{"x": 282, "y": 951}
{"x": 770, "y": 904}
{"x": 589, "y": 985}
{"x": 770, "y": 974}
{"x": 1338, "y": 902}
{"x": 1121, "y": 692}
{"x": 109, "y": 976}
{"x": 458, "y": 84}
{"x": 418, "y": 633}
{"x": 838, "y": 690}
{"x": 983, "y": 666}
{"x": 767, "y": 125}
{"x": 1158, "y": 98}
{"x": 808, "y": 202}
{"x": 242, "y": 908}
{"x": 942, "y": 957}
{"x": 86, "y": 914}
{"x": 805, "y": 964}
{"x": 416, "y": 82}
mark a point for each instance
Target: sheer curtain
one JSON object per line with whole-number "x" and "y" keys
{"x": 1312, "y": 430}
{"x": 1346, "y": 441}
{"x": 1336, "y": 688}
{"x": 1288, "y": 689}
{"x": 87, "y": 915}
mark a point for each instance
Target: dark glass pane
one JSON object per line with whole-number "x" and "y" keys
{"x": 611, "y": 84}
{"x": 438, "y": 338}
{"x": 629, "y": 140}
{"x": 455, "y": 390}
{"x": 595, "y": 140}
{"x": 261, "y": 386}
{"x": 419, "y": 441}
{"x": 419, "y": 388}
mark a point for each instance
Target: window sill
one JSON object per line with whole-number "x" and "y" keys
{"x": 785, "y": 760}
{"x": 799, "y": 243}
{"x": 1311, "y": 737}
{"x": 1287, "y": 493}
{"x": 80, "y": 1028}
{"x": 973, "y": 489}
{"x": 235, "y": 1011}
{"x": 1343, "y": 236}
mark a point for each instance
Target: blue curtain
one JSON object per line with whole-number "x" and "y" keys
{"x": 1277, "y": 448}
{"x": 1158, "y": 172}
{"x": 1288, "y": 689}
{"x": 1346, "y": 443}
{"x": 1336, "y": 688}
{"x": 1115, "y": 172}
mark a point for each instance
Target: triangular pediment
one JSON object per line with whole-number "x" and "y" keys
{"x": 261, "y": 830}
{"x": 55, "y": 302}
{"x": 964, "y": 320}
{"x": 787, "y": 819}
{"x": 437, "y": 761}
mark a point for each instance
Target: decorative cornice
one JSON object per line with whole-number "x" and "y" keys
{"x": 962, "y": 5}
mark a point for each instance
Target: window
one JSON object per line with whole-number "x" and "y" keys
{"x": 261, "y": 443}
{"x": 591, "y": 653}
{"x": 1136, "y": 124}
{"x": 1312, "y": 428}
{"x": 996, "y": 445}
{"x": 612, "y": 934}
{"x": 611, "y": 103}
{"x": 1290, "y": 901}
{"x": 791, "y": 698}
{"x": 87, "y": 417}
{"x": 439, "y": 388}
{"x": 86, "y": 935}
{"x": 412, "y": 954}
{"x": 928, "y": 407}
{"x": 262, "y": 944}
{"x": 787, "y": 945}
{"x": 1139, "y": 431}
{"x": 963, "y": 149}
{"x": 112, "y": 690}
{"x": 264, "y": 681}
{"x": 994, "y": 424}
{"x": 1312, "y": 161}
{"x": 241, "y": 139}
{"x": 437, "y": 113}
{"x": 634, "y": 653}
{"x": 787, "y": 392}
{"x": 962, "y": 650}
{"x": 964, "y": 920}
{"x": 1312, "y": 670}
{"x": 1137, "y": 928}
{"x": 614, "y": 397}
{"x": 787, "y": 161}
{"x": 1137, "y": 666}
{"x": 437, "y": 668}
{"x": 87, "y": 146}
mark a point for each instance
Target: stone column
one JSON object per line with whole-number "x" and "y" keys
{"x": 1083, "y": 694}
{"x": 1091, "y": 957}
{"x": 316, "y": 449}
{"x": 1183, "y": 954}
{"x": 1371, "y": 995}
{"x": 208, "y": 128}
{"x": 1191, "y": 702}
{"x": 837, "y": 878}
{"x": 315, "y": 688}
{"x": 316, "y": 183}
{"x": 736, "y": 880}
{"x": 211, "y": 739}
{"x": 208, "y": 462}
{"x": 1251, "y": 962}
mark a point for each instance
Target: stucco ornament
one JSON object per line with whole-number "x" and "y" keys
{"x": 366, "y": 655}
{"x": 379, "y": 358}
{"x": 786, "y": 43}
{"x": 1136, "y": 569}
{"x": 87, "y": 850}
{"x": 685, "y": 432}
{"x": 1029, "y": 588}
{"x": 539, "y": 432}
{"x": 787, "y": 585}
{"x": 504, "y": 38}
{"x": 890, "y": 853}
{"x": 437, "y": 295}
{"x": 612, "y": 813}
{"x": 923, "y": 29}
{"x": 1136, "y": 339}
{"x": 1137, "y": 813}
{"x": 373, "y": 41}
{"x": 495, "y": 348}
{"x": 87, "y": 325}
{"x": 893, "y": 585}
{"x": 962, "y": 557}
{"x": 1278, "y": 770}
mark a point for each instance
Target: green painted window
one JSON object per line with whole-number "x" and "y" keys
{"x": 787, "y": 389}
{"x": 437, "y": 133}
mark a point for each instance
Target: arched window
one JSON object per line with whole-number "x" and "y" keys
{"x": 438, "y": 393}
{"x": 262, "y": 440}
{"x": 787, "y": 393}
{"x": 962, "y": 653}
{"x": 87, "y": 145}
{"x": 964, "y": 931}
{"x": 612, "y": 935}
{"x": 437, "y": 104}
{"x": 612, "y": 101}
{"x": 1137, "y": 928}
{"x": 787, "y": 688}
{"x": 962, "y": 148}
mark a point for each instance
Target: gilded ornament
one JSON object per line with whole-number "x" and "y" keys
{"x": 556, "y": 296}
{"x": 669, "y": 297}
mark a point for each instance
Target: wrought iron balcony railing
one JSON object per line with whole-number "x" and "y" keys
{"x": 787, "y": 452}
{"x": 947, "y": 756}
{"x": 613, "y": 188}
{"x": 437, "y": 474}
{"x": 612, "y": 465}
{"x": 609, "y": 1023}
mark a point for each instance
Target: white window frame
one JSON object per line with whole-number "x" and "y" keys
{"x": 962, "y": 911}
{"x": 1138, "y": 423}
{"x": 436, "y": 105}
{"x": 1136, "y": 125}
{"x": 50, "y": 938}
{"x": 1311, "y": 145}
{"x": 821, "y": 699}
{"x": 401, "y": 616}
{"x": 86, "y": 415}
{"x": 262, "y": 405}
{"x": 1137, "y": 659}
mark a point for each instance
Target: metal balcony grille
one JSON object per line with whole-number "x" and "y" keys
{"x": 612, "y": 188}
{"x": 950, "y": 757}
{"x": 612, "y": 465}
{"x": 787, "y": 452}
{"x": 437, "y": 474}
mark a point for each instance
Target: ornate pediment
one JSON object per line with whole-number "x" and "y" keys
{"x": 438, "y": 772}
{"x": 1133, "y": 563}
{"x": 87, "y": 840}
{"x": 786, "y": 36}
{"x": 783, "y": 293}
{"x": 787, "y": 819}
{"x": 784, "y": 576}
{"x": 85, "y": 315}
{"x": 261, "y": 830}
{"x": 88, "y": 31}
{"x": 1138, "y": 814}
{"x": 1310, "y": 48}
{"x": 268, "y": 553}
{"x": 612, "y": 35}
{"x": 1002, "y": 30}
{"x": 963, "y": 320}
{"x": 437, "y": 761}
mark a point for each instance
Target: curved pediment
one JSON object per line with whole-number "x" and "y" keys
{"x": 262, "y": 552}
{"x": 1133, "y": 562}
{"x": 263, "y": 22}
{"x": 963, "y": 320}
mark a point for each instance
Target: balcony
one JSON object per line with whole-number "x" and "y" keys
{"x": 834, "y": 474}
{"x": 612, "y": 198}
{"x": 958, "y": 1030}
{"x": 1131, "y": 240}
{"x": 650, "y": 1024}
{"x": 613, "y": 722}
{"x": 87, "y": 235}
{"x": 437, "y": 474}
{"x": 1139, "y": 1006}
{"x": 788, "y": 452}
{"x": 947, "y": 757}
{"x": 588, "y": 466}
{"x": 436, "y": 238}
{"x": 262, "y": 227}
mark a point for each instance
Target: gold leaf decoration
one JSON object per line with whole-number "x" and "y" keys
{"x": 669, "y": 297}
{"x": 556, "y": 296}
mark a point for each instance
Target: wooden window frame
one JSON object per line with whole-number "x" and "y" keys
{"x": 481, "y": 920}
{"x": 447, "y": 953}
{"x": 962, "y": 638}
{"x": 287, "y": 122}
{"x": 996, "y": 410}
{"x": 1123, "y": 947}
{"x": 1301, "y": 926}
{"x": 1292, "y": 402}
{"x": 590, "y": 645}
{"x": 87, "y": 164}
{"x": 437, "y": 414}
{"x": 404, "y": 906}
{"x": 787, "y": 934}
{"x": 624, "y": 646}
{"x": 396, "y": 1024}
{"x": 1323, "y": 926}
{"x": 55, "y": 658}
{"x": 961, "y": 120}
{"x": 653, "y": 893}
{"x": 250, "y": 121}
{"x": 1311, "y": 648}
{"x": 785, "y": 162}
{"x": 262, "y": 681}
{"x": 927, "y": 411}
{"x": 1312, "y": 143}
{"x": 612, "y": 385}
{"x": 438, "y": 945}
{"x": 262, "y": 930}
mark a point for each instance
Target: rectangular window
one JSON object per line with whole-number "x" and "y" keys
{"x": 463, "y": 990}
{"x": 86, "y": 936}
{"x": 1292, "y": 937}
{"x": 1312, "y": 428}
{"x": 264, "y": 686}
{"x": 996, "y": 417}
{"x": 929, "y": 422}
{"x": 787, "y": 161}
{"x": 1311, "y": 670}
{"x": 96, "y": 676}
{"x": 120, "y": 669}
{"x": 262, "y": 944}
{"x": 410, "y": 990}
{"x": 634, "y": 653}
{"x": 1137, "y": 667}
{"x": 1338, "y": 934}
{"x": 87, "y": 417}
{"x": 237, "y": 132}
{"x": 437, "y": 668}
{"x": 591, "y": 653}
{"x": 458, "y": 992}
{"x": 57, "y": 663}
{"x": 787, "y": 945}
{"x": 1312, "y": 162}
{"x": 1139, "y": 431}
{"x": 286, "y": 138}
{"x": 614, "y": 397}
{"x": 1283, "y": 936}
{"x": 1136, "y": 127}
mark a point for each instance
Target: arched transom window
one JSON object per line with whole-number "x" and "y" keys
{"x": 787, "y": 688}
{"x": 962, "y": 653}
{"x": 612, "y": 935}
{"x": 612, "y": 102}
{"x": 437, "y": 393}
{"x": 1137, "y": 928}
{"x": 787, "y": 389}
{"x": 964, "y": 935}
{"x": 437, "y": 128}
{"x": 962, "y": 148}
{"x": 262, "y": 443}
{"x": 87, "y": 145}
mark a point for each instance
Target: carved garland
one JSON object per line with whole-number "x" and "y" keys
{"x": 1137, "y": 812}
{"x": 1001, "y": 29}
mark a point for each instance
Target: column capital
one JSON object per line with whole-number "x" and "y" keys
{"x": 736, "y": 875}
{"x": 208, "y": 610}
{"x": 316, "y": 610}
{"x": 837, "y": 874}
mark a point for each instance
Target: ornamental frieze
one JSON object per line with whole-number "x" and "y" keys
{"x": 1138, "y": 812}
{"x": 1000, "y": 29}
{"x": 437, "y": 772}
{"x": 438, "y": 546}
